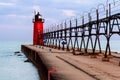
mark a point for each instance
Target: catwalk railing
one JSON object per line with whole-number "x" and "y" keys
{"x": 82, "y": 32}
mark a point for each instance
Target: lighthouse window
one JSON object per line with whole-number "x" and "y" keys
{"x": 40, "y": 17}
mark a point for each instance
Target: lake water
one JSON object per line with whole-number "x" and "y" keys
{"x": 13, "y": 67}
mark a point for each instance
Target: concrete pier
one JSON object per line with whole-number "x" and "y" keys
{"x": 71, "y": 67}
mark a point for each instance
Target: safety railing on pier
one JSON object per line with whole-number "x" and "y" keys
{"x": 79, "y": 33}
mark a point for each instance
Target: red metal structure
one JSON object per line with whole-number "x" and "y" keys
{"x": 38, "y": 29}
{"x": 51, "y": 71}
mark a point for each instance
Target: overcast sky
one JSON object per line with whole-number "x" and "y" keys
{"x": 16, "y": 15}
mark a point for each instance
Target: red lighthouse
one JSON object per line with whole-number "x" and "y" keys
{"x": 38, "y": 29}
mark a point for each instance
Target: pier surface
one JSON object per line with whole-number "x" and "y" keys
{"x": 72, "y": 67}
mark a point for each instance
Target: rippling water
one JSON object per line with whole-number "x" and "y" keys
{"x": 13, "y": 67}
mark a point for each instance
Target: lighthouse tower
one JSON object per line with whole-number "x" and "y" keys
{"x": 38, "y": 29}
